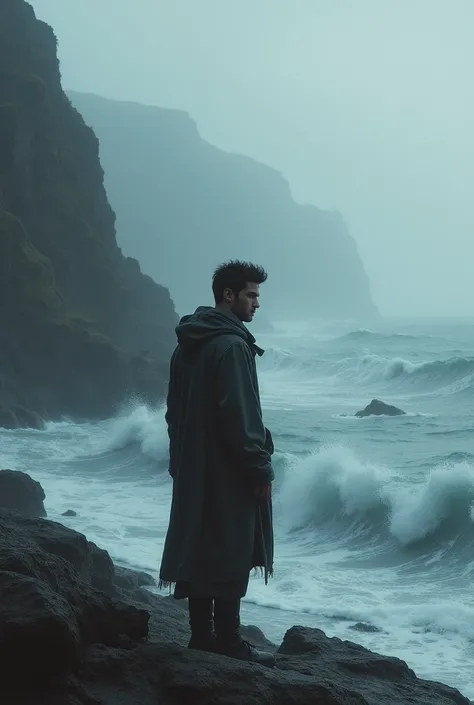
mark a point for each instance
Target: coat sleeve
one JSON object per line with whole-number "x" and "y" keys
{"x": 240, "y": 416}
{"x": 171, "y": 413}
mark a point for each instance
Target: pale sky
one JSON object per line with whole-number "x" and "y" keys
{"x": 366, "y": 106}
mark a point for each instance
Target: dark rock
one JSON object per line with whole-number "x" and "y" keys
{"x": 102, "y": 570}
{"x": 20, "y": 493}
{"x": 39, "y": 626}
{"x": 75, "y": 313}
{"x": 69, "y": 513}
{"x": 93, "y": 565}
{"x": 379, "y": 408}
{"x": 128, "y": 579}
{"x": 374, "y": 679}
{"x": 49, "y": 608}
{"x": 256, "y": 636}
{"x": 363, "y": 627}
{"x": 336, "y": 673}
{"x": 187, "y": 677}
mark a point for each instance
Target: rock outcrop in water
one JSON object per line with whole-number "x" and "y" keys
{"x": 175, "y": 193}
{"x": 20, "y": 493}
{"x": 379, "y": 408}
{"x": 76, "y": 630}
{"x": 76, "y": 316}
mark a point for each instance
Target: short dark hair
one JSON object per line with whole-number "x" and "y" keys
{"x": 235, "y": 275}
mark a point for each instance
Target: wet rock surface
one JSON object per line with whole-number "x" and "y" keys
{"x": 380, "y": 408}
{"x": 20, "y": 493}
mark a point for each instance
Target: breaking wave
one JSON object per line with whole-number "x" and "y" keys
{"x": 332, "y": 493}
{"x": 365, "y": 334}
{"x": 453, "y": 374}
{"x": 435, "y": 373}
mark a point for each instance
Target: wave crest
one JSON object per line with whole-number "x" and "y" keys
{"x": 455, "y": 374}
{"x": 372, "y": 368}
{"x": 334, "y": 492}
{"x": 365, "y": 334}
{"x": 140, "y": 425}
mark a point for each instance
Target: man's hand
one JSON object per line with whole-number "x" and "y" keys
{"x": 263, "y": 492}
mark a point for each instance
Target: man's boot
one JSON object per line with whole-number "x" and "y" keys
{"x": 201, "y": 621}
{"x": 228, "y": 639}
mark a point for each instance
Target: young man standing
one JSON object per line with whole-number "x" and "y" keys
{"x": 221, "y": 523}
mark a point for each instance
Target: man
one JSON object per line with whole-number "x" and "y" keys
{"x": 220, "y": 460}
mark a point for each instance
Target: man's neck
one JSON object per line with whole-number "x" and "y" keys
{"x": 223, "y": 307}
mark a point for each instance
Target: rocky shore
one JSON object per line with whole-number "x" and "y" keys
{"x": 77, "y": 630}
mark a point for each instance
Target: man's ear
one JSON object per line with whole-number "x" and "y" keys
{"x": 228, "y": 296}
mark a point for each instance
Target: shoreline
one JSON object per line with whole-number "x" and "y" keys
{"x": 89, "y": 632}
{"x": 423, "y": 651}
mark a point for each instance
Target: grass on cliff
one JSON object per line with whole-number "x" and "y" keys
{"x": 27, "y": 277}
{"x": 27, "y": 284}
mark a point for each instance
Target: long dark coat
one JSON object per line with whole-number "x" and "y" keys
{"x": 220, "y": 451}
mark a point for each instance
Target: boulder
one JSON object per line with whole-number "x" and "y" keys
{"x": 40, "y": 630}
{"x": 367, "y": 677}
{"x": 379, "y": 408}
{"x": 364, "y": 627}
{"x": 20, "y": 493}
{"x": 69, "y": 513}
{"x": 128, "y": 579}
{"x": 311, "y": 668}
{"x": 50, "y": 609}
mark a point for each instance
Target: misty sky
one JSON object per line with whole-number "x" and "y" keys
{"x": 366, "y": 106}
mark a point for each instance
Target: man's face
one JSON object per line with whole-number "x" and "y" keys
{"x": 246, "y": 303}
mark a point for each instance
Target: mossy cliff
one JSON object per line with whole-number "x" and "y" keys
{"x": 81, "y": 327}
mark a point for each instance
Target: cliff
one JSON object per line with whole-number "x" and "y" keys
{"x": 75, "y": 313}
{"x": 183, "y": 206}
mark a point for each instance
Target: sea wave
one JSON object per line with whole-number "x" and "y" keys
{"x": 452, "y": 375}
{"x": 331, "y": 491}
{"x": 374, "y": 368}
{"x": 140, "y": 425}
{"x": 366, "y": 334}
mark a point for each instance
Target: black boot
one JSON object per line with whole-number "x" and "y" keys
{"x": 201, "y": 621}
{"x": 228, "y": 639}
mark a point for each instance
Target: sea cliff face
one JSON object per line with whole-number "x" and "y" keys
{"x": 183, "y": 206}
{"x": 76, "y": 315}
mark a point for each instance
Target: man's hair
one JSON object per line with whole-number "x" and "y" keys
{"x": 235, "y": 275}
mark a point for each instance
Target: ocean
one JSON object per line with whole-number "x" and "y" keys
{"x": 374, "y": 517}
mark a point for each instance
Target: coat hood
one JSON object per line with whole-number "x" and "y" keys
{"x": 206, "y": 323}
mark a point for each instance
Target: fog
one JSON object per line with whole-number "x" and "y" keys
{"x": 366, "y": 106}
